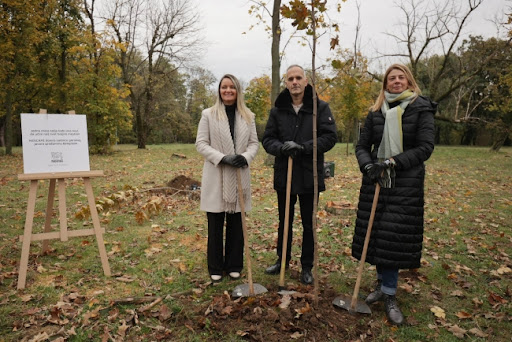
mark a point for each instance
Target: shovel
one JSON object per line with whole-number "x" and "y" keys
{"x": 251, "y": 289}
{"x": 343, "y": 301}
{"x": 286, "y": 222}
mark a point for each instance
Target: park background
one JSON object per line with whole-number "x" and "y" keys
{"x": 134, "y": 68}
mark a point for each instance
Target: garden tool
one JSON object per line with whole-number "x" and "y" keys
{"x": 251, "y": 289}
{"x": 343, "y": 301}
{"x": 286, "y": 222}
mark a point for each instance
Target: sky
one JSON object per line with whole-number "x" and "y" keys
{"x": 230, "y": 47}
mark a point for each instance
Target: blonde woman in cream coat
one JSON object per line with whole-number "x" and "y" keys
{"x": 227, "y": 139}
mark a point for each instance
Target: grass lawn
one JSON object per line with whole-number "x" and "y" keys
{"x": 156, "y": 243}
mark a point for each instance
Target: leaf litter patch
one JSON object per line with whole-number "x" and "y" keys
{"x": 274, "y": 317}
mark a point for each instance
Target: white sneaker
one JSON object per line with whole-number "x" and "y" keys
{"x": 216, "y": 277}
{"x": 234, "y": 275}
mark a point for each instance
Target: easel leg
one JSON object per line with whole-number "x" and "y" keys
{"x": 49, "y": 213}
{"x": 27, "y": 234}
{"x": 97, "y": 227}
{"x": 62, "y": 210}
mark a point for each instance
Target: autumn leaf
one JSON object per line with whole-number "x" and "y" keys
{"x": 495, "y": 299}
{"x": 296, "y": 335}
{"x": 140, "y": 217}
{"x": 457, "y": 293}
{"x": 477, "y": 332}
{"x": 90, "y": 315}
{"x": 154, "y": 249}
{"x": 463, "y": 315}
{"x": 285, "y": 301}
{"x": 41, "y": 269}
{"x": 121, "y": 331}
{"x": 504, "y": 270}
{"x": 407, "y": 287}
{"x": 26, "y": 298}
{"x": 164, "y": 314}
{"x": 115, "y": 249}
{"x": 438, "y": 312}
{"x": 227, "y": 310}
{"x": 42, "y": 336}
{"x": 334, "y": 42}
{"x": 457, "y": 331}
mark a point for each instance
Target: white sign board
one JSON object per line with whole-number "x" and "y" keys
{"x": 54, "y": 143}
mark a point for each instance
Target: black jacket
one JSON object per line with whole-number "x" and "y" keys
{"x": 397, "y": 233}
{"x": 284, "y": 125}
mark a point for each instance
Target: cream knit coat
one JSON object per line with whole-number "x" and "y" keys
{"x": 209, "y": 145}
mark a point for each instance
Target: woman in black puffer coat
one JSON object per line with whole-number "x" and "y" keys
{"x": 397, "y": 138}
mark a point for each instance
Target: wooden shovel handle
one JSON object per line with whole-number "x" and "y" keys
{"x": 244, "y": 229}
{"x": 286, "y": 221}
{"x": 365, "y": 247}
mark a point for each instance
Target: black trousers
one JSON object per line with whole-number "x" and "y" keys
{"x": 230, "y": 258}
{"x": 306, "y": 212}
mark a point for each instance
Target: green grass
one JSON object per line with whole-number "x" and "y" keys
{"x": 466, "y": 258}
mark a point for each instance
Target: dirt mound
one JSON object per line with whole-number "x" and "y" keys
{"x": 273, "y": 317}
{"x": 182, "y": 182}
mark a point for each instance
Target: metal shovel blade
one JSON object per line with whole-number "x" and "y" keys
{"x": 243, "y": 290}
{"x": 344, "y": 302}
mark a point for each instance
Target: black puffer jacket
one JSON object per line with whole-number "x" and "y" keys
{"x": 397, "y": 233}
{"x": 284, "y": 125}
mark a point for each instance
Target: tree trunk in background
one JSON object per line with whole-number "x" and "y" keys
{"x": 141, "y": 129}
{"x": 276, "y": 58}
{"x": 356, "y": 131}
{"x": 8, "y": 122}
{"x": 499, "y": 140}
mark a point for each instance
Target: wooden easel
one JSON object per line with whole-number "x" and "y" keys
{"x": 63, "y": 234}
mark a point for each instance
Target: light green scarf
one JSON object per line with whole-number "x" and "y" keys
{"x": 392, "y": 137}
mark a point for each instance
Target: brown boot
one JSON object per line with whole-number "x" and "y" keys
{"x": 393, "y": 312}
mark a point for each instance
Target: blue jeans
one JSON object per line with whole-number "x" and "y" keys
{"x": 389, "y": 277}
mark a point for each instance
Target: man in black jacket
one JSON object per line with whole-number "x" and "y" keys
{"x": 289, "y": 133}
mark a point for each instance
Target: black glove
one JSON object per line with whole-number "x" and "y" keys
{"x": 374, "y": 171}
{"x": 229, "y": 159}
{"x": 240, "y": 161}
{"x": 291, "y": 149}
{"x": 235, "y": 160}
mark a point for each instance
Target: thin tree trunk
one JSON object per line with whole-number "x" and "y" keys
{"x": 315, "y": 158}
{"x": 139, "y": 124}
{"x": 276, "y": 58}
{"x": 8, "y": 122}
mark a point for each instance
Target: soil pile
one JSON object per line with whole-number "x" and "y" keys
{"x": 273, "y": 317}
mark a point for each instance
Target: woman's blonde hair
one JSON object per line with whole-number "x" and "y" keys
{"x": 220, "y": 110}
{"x": 410, "y": 80}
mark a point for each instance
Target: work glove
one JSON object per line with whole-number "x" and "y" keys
{"x": 229, "y": 159}
{"x": 291, "y": 149}
{"x": 375, "y": 171}
{"x": 235, "y": 160}
{"x": 240, "y": 161}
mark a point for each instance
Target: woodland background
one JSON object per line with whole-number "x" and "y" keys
{"x": 129, "y": 66}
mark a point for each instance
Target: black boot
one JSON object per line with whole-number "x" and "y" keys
{"x": 377, "y": 295}
{"x": 393, "y": 312}
{"x": 275, "y": 269}
{"x": 306, "y": 277}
